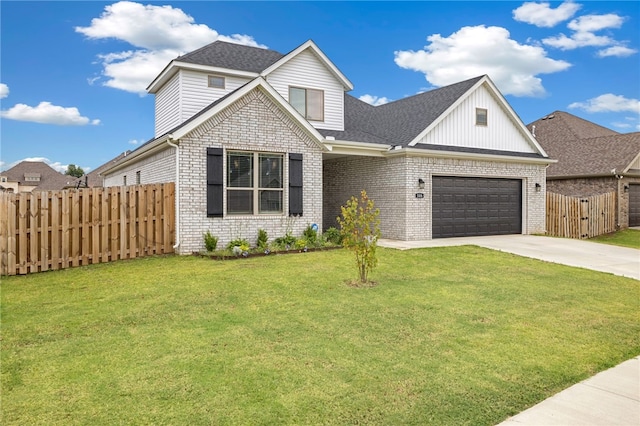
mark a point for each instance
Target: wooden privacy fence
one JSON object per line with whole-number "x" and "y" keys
{"x": 573, "y": 217}
{"x": 50, "y": 230}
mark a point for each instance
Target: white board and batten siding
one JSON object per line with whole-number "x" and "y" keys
{"x": 186, "y": 94}
{"x": 305, "y": 70}
{"x": 459, "y": 127}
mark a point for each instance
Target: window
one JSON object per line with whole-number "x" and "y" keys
{"x": 216, "y": 81}
{"x": 481, "y": 117}
{"x": 254, "y": 183}
{"x": 308, "y": 102}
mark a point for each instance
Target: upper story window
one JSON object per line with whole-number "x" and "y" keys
{"x": 254, "y": 183}
{"x": 216, "y": 81}
{"x": 308, "y": 102}
{"x": 481, "y": 117}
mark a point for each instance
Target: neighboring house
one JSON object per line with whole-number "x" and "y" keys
{"x": 255, "y": 139}
{"x": 28, "y": 176}
{"x": 592, "y": 160}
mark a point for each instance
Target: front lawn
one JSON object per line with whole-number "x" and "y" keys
{"x": 624, "y": 238}
{"x": 451, "y": 335}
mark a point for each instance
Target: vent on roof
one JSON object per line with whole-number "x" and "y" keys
{"x": 549, "y": 117}
{"x": 32, "y": 177}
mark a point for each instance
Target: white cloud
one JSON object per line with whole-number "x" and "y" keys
{"x": 474, "y": 51}
{"x": 47, "y": 113}
{"x": 542, "y": 15}
{"x": 608, "y": 103}
{"x": 4, "y": 90}
{"x": 374, "y": 100}
{"x": 618, "y": 51}
{"x": 584, "y": 28}
{"x": 135, "y": 142}
{"x": 159, "y": 34}
{"x": 592, "y": 23}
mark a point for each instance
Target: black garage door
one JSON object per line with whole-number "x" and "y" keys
{"x": 634, "y": 205}
{"x": 465, "y": 206}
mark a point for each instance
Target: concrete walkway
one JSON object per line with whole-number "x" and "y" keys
{"x": 616, "y": 260}
{"x": 610, "y": 398}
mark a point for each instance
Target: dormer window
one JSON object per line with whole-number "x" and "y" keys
{"x": 481, "y": 117}
{"x": 308, "y": 102}
{"x": 216, "y": 81}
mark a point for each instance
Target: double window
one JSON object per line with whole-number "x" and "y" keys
{"x": 254, "y": 183}
{"x": 308, "y": 102}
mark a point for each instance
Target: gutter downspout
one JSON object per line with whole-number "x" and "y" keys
{"x": 177, "y": 191}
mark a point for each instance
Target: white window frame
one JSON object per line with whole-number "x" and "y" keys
{"x": 255, "y": 187}
{"x": 482, "y": 112}
{"x": 210, "y": 78}
{"x": 305, "y": 113}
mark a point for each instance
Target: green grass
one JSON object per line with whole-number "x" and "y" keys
{"x": 625, "y": 238}
{"x": 453, "y": 335}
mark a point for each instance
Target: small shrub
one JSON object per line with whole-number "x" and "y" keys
{"x": 302, "y": 243}
{"x": 287, "y": 241}
{"x": 263, "y": 239}
{"x": 333, "y": 236}
{"x": 210, "y": 242}
{"x": 238, "y": 242}
{"x": 311, "y": 235}
{"x": 360, "y": 229}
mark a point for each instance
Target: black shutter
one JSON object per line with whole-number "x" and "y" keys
{"x": 295, "y": 184}
{"x": 215, "y": 176}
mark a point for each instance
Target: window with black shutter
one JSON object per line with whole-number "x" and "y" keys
{"x": 295, "y": 184}
{"x": 215, "y": 182}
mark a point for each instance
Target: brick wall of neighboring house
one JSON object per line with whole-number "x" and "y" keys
{"x": 583, "y": 187}
{"x": 393, "y": 182}
{"x": 253, "y": 123}
{"x": 157, "y": 168}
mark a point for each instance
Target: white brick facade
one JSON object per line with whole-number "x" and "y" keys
{"x": 253, "y": 123}
{"x": 156, "y": 168}
{"x": 393, "y": 182}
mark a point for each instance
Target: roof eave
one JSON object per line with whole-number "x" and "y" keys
{"x": 471, "y": 156}
{"x": 175, "y": 66}
{"x": 142, "y": 152}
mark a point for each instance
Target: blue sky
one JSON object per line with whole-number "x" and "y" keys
{"x": 73, "y": 74}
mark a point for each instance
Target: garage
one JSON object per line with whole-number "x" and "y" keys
{"x": 634, "y": 205}
{"x": 471, "y": 206}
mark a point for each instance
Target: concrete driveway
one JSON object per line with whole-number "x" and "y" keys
{"x": 579, "y": 253}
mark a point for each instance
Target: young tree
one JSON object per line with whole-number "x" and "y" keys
{"x": 360, "y": 229}
{"x": 75, "y": 171}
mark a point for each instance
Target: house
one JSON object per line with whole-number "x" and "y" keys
{"x": 28, "y": 176}
{"x": 592, "y": 160}
{"x": 255, "y": 139}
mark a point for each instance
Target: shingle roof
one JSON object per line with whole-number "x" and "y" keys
{"x": 232, "y": 56}
{"x": 583, "y": 148}
{"x": 397, "y": 122}
{"x": 49, "y": 178}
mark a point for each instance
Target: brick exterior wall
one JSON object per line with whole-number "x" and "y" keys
{"x": 586, "y": 187}
{"x": 393, "y": 182}
{"x": 253, "y": 123}
{"x": 157, "y": 168}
